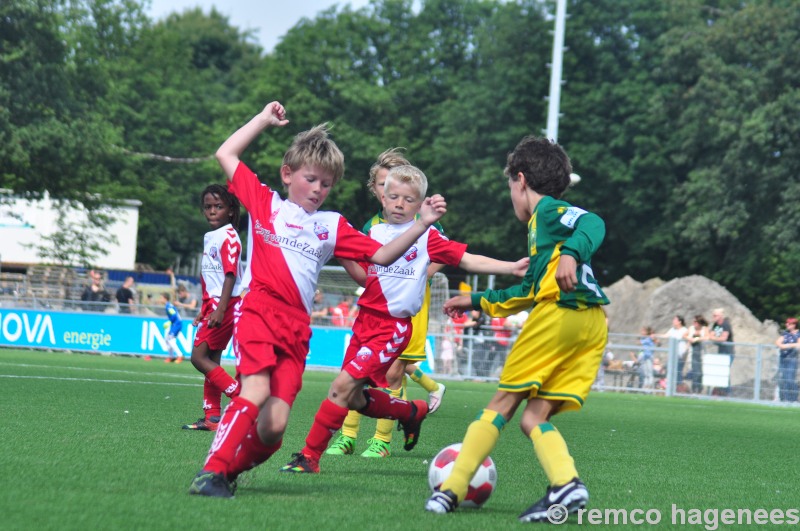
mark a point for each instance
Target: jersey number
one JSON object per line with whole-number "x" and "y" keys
{"x": 587, "y": 279}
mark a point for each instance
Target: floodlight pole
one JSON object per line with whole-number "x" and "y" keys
{"x": 555, "y": 71}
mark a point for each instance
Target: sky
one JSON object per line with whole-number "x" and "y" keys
{"x": 270, "y": 19}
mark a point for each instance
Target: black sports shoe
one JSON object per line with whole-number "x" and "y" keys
{"x": 203, "y": 424}
{"x": 558, "y": 503}
{"x": 411, "y": 428}
{"x": 442, "y": 502}
{"x": 300, "y": 464}
{"x": 211, "y": 484}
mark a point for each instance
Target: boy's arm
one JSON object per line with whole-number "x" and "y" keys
{"x": 585, "y": 232}
{"x": 355, "y": 271}
{"x": 273, "y": 115}
{"x": 476, "y": 263}
{"x": 589, "y": 232}
{"x": 432, "y": 209}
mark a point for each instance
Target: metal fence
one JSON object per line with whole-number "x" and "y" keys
{"x": 750, "y": 374}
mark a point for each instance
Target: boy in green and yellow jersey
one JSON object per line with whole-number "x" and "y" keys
{"x": 555, "y": 358}
{"x": 380, "y": 443}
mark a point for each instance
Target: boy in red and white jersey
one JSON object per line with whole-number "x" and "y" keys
{"x": 292, "y": 241}
{"x": 392, "y": 295}
{"x": 221, "y": 275}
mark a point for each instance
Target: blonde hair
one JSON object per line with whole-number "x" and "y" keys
{"x": 391, "y": 158}
{"x": 408, "y": 174}
{"x": 315, "y": 148}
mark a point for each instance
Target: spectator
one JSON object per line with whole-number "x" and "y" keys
{"x": 186, "y": 301}
{"x": 695, "y": 335}
{"x": 499, "y": 346}
{"x": 721, "y": 332}
{"x": 678, "y": 332}
{"x": 460, "y": 322}
{"x": 644, "y": 359}
{"x": 787, "y": 363}
{"x": 125, "y": 296}
{"x": 95, "y": 293}
{"x": 447, "y": 353}
{"x": 480, "y": 331}
{"x": 319, "y": 312}
{"x": 341, "y": 313}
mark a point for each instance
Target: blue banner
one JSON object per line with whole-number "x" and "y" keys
{"x": 136, "y": 335}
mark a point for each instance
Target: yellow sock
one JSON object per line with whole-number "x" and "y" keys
{"x": 552, "y": 452}
{"x": 424, "y": 380}
{"x": 351, "y": 423}
{"x": 479, "y": 441}
{"x": 385, "y": 427}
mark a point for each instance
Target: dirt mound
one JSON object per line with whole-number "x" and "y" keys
{"x": 655, "y": 302}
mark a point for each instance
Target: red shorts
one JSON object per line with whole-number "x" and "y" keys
{"x": 378, "y": 339}
{"x": 270, "y": 336}
{"x": 218, "y": 337}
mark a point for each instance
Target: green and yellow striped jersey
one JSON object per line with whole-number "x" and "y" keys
{"x": 555, "y": 228}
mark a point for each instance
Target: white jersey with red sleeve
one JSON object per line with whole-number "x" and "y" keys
{"x": 290, "y": 245}
{"x": 222, "y": 250}
{"x": 399, "y": 288}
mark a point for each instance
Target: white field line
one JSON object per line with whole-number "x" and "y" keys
{"x": 100, "y": 380}
{"x": 117, "y": 371}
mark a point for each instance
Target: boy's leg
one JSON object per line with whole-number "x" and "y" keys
{"x": 435, "y": 389}
{"x": 381, "y": 443}
{"x": 550, "y": 447}
{"x": 566, "y": 489}
{"x": 329, "y": 418}
{"x": 378, "y": 404}
{"x": 217, "y": 381}
{"x": 479, "y": 441}
{"x": 264, "y": 438}
{"x": 223, "y": 381}
{"x": 212, "y": 408}
{"x": 236, "y": 422}
{"x": 345, "y": 443}
{"x": 172, "y": 347}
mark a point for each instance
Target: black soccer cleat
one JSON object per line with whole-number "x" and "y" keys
{"x": 442, "y": 502}
{"x": 558, "y": 503}
{"x": 211, "y": 484}
{"x": 411, "y": 428}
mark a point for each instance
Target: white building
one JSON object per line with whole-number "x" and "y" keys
{"x": 25, "y": 225}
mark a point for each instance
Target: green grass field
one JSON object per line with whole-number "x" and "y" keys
{"x": 94, "y": 442}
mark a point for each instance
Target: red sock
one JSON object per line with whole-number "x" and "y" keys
{"x": 239, "y": 417}
{"x": 328, "y": 419}
{"x": 251, "y": 453}
{"x": 224, "y": 381}
{"x": 211, "y": 399}
{"x": 381, "y": 405}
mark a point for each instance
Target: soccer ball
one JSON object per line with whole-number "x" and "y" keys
{"x": 482, "y": 484}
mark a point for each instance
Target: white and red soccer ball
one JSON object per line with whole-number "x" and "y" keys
{"x": 482, "y": 484}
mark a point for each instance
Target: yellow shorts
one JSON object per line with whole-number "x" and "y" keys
{"x": 415, "y": 351}
{"x": 557, "y": 354}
